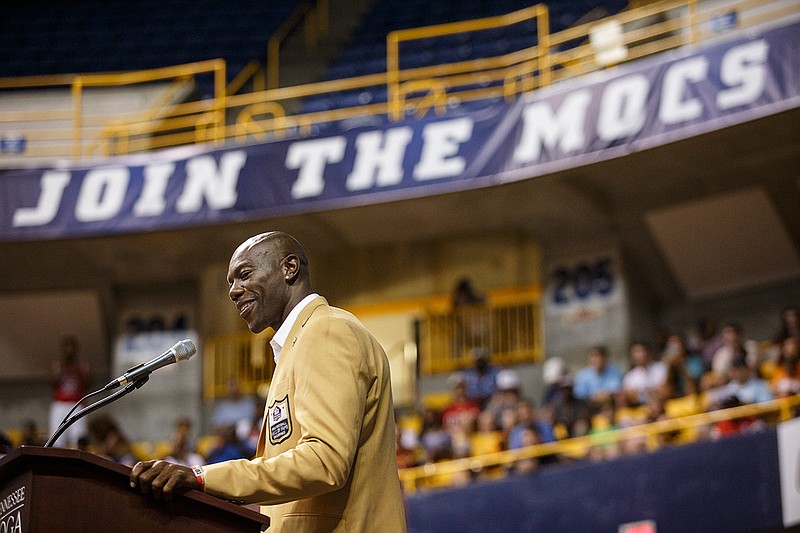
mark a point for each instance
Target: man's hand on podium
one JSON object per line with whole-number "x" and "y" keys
{"x": 162, "y": 479}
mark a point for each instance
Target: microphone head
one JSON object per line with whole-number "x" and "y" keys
{"x": 183, "y": 350}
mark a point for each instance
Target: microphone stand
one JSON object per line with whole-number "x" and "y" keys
{"x": 93, "y": 407}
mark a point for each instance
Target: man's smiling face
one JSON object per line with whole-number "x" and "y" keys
{"x": 257, "y": 286}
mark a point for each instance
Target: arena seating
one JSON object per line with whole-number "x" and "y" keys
{"x": 366, "y": 53}
{"x": 43, "y": 37}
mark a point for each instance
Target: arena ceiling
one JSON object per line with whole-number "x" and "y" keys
{"x": 725, "y": 192}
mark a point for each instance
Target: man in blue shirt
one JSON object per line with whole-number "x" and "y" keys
{"x": 745, "y": 386}
{"x": 599, "y": 381}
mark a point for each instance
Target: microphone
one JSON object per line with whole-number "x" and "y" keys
{"x": 181, "y": 351}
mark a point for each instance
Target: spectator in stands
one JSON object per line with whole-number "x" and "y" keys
{"x": 732, "y": 426}
{"x": 503, "y": 403}
{"x": 706, "y": 341}
{"x": 71, "y": 379}
{"x": 571, "y": 415}
{"x": 182, "y": 450}
{"x": 230, "y": 447}
{"x": 603, "y": 425}
{"x": 462, "y": 412}
{"x": 599, "y": 381}
{"x": 526, "y": 417}
{"x": 744, "y": 385}
{"x": 553, "y": 371}
{"x": 790, "y": 325}
{"x": 107, "y": 440}
{"x": 684, "y": 370}
{"x": 481, "y": 379}
{"x": 470, "y": 316}
{"x": 644, "y": 377}
{"x": 436, "y": 442}
{"x": 236, "y": 409}
{"x": 528, "y": 436}
{"x": 460, "y": 416}
{"x": 405, "y": 455}
{"x": 786, "y": 378}
{"x": 31, "y": 435}
{"x": 734, "y": 345}
{"x": 487, "y": 437}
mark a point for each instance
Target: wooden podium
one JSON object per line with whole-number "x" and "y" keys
{"x": 54, "y": 489}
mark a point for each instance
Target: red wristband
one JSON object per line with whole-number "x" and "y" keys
{"x": 200, "y": 476}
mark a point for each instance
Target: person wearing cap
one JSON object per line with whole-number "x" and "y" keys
{"x": 503, "y": 402}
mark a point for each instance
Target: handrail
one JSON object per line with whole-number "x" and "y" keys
{"x": 394, "y": 38}
{"x": 251, "y": 70}
{"x": 314, "y": 16}
{"x": 555, "y": 56}
{"x": 410, "y": 477}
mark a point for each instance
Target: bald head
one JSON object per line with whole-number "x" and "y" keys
{"x": 268, "y": 276}
{"x": 275, "y": 245}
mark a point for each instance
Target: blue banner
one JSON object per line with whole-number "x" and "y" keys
{"x": 608, "y": 114}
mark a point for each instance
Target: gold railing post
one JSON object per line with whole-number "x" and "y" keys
{"x": 219, "y": 101}
{"x": 393, "y": 76}
{"x": 323, "y": 17}
{"x": 77, "y": 117}
{"x": 692, "y": 10}
{"x": 273, "y": 67}
{"x": 543, "y": 47}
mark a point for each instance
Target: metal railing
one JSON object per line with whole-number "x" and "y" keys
{"x": 241, "y": 356}
{"x": 508, "y": 327}
{"x": 266, "y": 114}
{"x": 441, "y": 474}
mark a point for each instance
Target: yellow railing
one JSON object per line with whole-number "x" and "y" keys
{"x": 240, "y": 356}
{"x": 314, "y": 19}
{"x": 403, "y": 82}
{"x": 439, "y": 474}
{"x": 266, "y": 114}
{"x": 80, "y": 130}
{"x": 507, "y": 327}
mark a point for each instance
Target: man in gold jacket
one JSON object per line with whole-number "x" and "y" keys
{"x": 326, "y": 454}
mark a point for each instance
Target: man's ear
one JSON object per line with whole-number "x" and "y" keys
{"x": 291, "y": 268}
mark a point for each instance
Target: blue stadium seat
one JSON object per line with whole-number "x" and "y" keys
{"x": 95, "y": 36}
{"x": 367, "y": 52}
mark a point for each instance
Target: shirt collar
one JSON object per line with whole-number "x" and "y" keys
{"x": 279, "y": 339}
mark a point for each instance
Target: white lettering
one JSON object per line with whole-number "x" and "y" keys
{"x": 102, "y": 194}
{"x": 622, "y": 107}
{"x": 441, "y": 142}
{"x": 674, "y": 108}
{"x": 742, "y": 70}
{"x": 205, "y": 181}
{"x": 11, "y": 524}
{"x": 53, "y": 184}
{"x": 152, "y": 200}
{"x": 311, "y": 157}
{"x": 541, "y": 127}
{"x": 372, "y": 159}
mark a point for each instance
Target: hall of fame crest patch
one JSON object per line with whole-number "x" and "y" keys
{"x": 280, "y": 421}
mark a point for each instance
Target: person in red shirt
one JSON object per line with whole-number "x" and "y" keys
{"x": 70, "y": 382}
{"x": 459, "y": 418}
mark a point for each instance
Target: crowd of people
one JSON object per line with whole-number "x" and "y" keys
{"x": 233, "y": 434}
{"x": 488, "y": 411}
{"x": 716, "y": 368}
